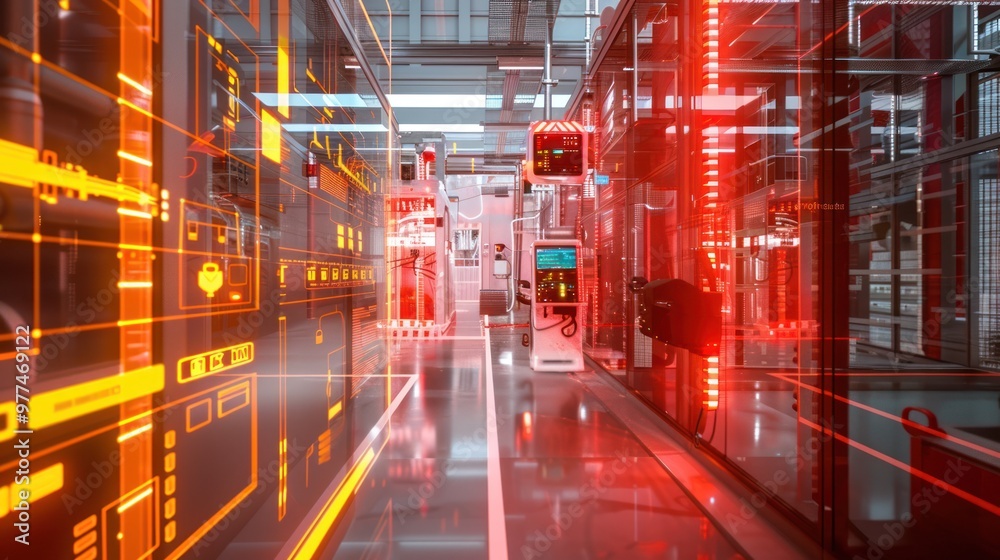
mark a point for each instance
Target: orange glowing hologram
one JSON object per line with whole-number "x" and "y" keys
{"x": 214, "y": 361}
{"x": 210, "y": 279}
{"x": 198, "y": 291}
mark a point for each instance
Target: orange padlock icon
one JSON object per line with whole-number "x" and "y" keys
{"x": 210, "y": 278}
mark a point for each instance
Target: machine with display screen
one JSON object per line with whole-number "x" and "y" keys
{"x": 556, "y": 342}
{"x": 557, "y": 153}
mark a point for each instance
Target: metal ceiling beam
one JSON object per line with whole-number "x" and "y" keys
{"x": 563, "y": 54}
{"x": 414, "y": 21}
{"x": 464, "y": 22}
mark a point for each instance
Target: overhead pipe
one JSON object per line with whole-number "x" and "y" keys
{"x": 547, "y": 80}
{"x": 590, "y": 45}
{"x": 23, "y": 110}
{"x": 22, "y": 105}
{"x": 588, "y": 39}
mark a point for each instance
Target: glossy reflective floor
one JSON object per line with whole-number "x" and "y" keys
{"x": 459, "y": 450}
{"x": 570, "y": 480}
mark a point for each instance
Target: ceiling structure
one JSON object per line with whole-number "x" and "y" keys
{"x": 472, "y": 69}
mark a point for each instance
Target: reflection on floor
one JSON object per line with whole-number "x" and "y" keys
{"x": 576, "y": 482}
{"x": 573, "y": 467}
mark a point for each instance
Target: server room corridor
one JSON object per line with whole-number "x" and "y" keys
{"x": 485, "y": 458}
{"x": 499, "y": 279}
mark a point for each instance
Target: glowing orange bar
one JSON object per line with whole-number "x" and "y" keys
{"x": 42, "y": 484}
{"x": 142, "y": 496}
{"x": 132, "y": 322}
{"x": 134, "y": 158}
{"x": 23, "y": 169}
{"x": 138, "y": 284}
{"x": 135, "y": 107}
{"x": 283, "y": 64}
{"x": 270, "y": 136}
{"x": 74, "y": 401}
{"x": 84, "y": 526}
{"x": 711, "y": 379}
{"x": 135, "y": 432}
{"x": 134, "y": 84}
{"x": 335, "y": 410}
{"x": 375, "y": 34}
{"x": 321, "y": 526}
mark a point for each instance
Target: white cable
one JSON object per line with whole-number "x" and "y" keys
{"x": 481, "y": 204}
{"x": 513, "y": 254}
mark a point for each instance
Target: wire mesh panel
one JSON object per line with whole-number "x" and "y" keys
{"x": 493, "y": 302}
{"x": 988, "y": 205}
{"x": 989, "y": 105}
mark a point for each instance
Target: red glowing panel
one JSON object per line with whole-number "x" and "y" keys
{"x": 557, "y": 153}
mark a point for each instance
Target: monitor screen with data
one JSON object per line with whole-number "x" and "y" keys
{"x": 555, "y": 258}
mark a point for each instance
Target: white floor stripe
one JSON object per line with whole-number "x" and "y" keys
{"x": 497, "y": 518}
{"x": 437, "y": 339}
{"x": 457, "y": 337}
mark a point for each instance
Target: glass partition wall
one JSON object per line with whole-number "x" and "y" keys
{"x": 827, "y": 173}
{"x": 192, "y": 232}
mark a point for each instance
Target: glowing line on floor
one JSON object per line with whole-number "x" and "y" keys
{"x": 310, "y": 546}
{"x": 895, "y": 374}
{"x": 442, "y": 338}
{"x": 967, "y": 496}
{"x": 497, "y": 539}
{"x": 888, "y": 416}
{"x": 311, "y": 535}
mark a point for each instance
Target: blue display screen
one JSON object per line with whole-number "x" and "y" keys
{"x": 550, "y": 258}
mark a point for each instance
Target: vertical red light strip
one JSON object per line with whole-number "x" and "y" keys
{"x": 138, "y": 529}
{"x": 710, "y": 134}
{"x": 710, "y": 170}
{"x": 711, "y": 369}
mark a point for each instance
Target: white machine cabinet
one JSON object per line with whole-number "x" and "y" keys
{"x": 556, "y": 309}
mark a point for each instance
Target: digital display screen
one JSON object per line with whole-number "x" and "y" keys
{"x": 555, "y": 258}
{"x": 558, "y": 154}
